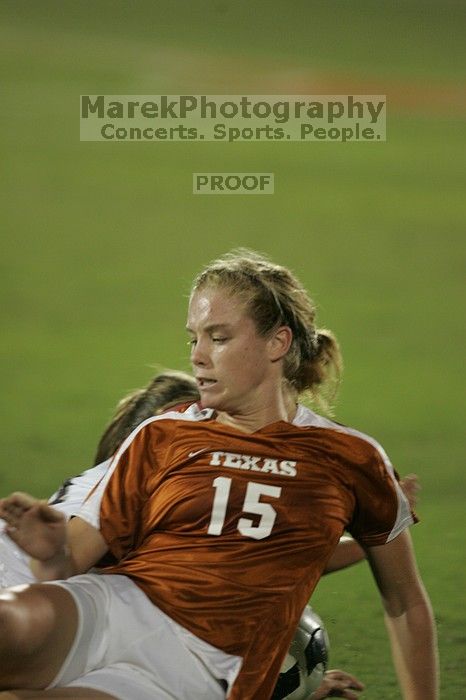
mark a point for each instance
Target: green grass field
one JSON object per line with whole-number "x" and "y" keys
{"x": 101, "y": 241}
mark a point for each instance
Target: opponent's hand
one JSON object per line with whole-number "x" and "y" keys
{"x": 338, "y": 684}
{"x": 33, "y": 525}
{"x": 410, "y": 486}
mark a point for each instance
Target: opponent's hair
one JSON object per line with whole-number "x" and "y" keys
{"x": 163, "y": 391}
{"x": 273, "y": 297}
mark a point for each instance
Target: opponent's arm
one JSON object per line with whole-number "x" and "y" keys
{"x": 58, "y": 549}
{"x": 408, "y": 617}
{"x": 347, "y": 553}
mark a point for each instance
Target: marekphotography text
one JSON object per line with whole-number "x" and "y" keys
{"x": 231, "y": 118}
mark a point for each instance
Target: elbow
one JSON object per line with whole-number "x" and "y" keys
{"x": 415, "y": 607}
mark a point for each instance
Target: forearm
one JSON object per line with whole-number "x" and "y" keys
{"x": 347, "y": 553}
{"x": 414, "y": 648}
{"x": 408, "y": 616}
{"x": 82, "y": 548}
{"x": 60, "y": 566}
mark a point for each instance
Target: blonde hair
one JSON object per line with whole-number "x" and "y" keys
{"x": 274, "y": 297}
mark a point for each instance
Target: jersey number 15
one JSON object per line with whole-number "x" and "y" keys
{"x": 252, "y": 504}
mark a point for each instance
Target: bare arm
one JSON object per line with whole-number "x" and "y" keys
{"x": 58, "y": 549}
{"x": 408, "y": 617}
{"x": 348, "y": 552}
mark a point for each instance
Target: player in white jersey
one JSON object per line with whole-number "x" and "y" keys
{"x": 253, "y": 331}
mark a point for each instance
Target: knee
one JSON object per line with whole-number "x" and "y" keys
{"x": 21, "y": 628}
{"x": 11, "y": 628}
{"x": 11, "y": 625}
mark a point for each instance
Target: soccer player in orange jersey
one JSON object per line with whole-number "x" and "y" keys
{"x": 220, "y": 519}
{"x": 165, "y": 390}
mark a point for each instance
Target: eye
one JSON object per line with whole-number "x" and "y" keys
{"x": 218, "y": 339}
{"x": 192, "y": 342}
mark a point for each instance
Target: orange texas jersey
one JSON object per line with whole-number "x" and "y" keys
{"x": 228, "y": 532}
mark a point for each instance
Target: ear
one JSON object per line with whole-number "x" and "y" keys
{"x": 279, "y": 343}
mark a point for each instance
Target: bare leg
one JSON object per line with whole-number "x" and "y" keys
{"x": 37, "y": 628}
{"x": 56, "y": 694}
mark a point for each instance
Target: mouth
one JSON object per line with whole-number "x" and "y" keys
{"x": 205, "y": 383}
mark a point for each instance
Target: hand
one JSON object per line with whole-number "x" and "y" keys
{"x": 338, "y": 684}
{"x": 34, "y": 526}
{"x": 410, "y": 486}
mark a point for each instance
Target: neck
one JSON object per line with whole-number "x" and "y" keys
{"x": 245, "y": 423}
{"x": 248, "y": 422}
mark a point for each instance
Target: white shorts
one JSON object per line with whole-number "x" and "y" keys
{"x": 127, "y": 647}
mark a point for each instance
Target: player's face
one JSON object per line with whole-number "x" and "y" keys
{"x": 231, "y": 361}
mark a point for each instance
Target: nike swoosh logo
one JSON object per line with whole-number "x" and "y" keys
{"x": 197, "y": 452}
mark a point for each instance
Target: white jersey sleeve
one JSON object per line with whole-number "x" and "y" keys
{"x": 72, "y": 493}
{"x": 14, "y": 563}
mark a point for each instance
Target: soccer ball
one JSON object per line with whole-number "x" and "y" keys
{"x": 306, "y": 661}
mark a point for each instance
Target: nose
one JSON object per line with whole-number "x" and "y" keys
{"x": 199, "y": 356}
